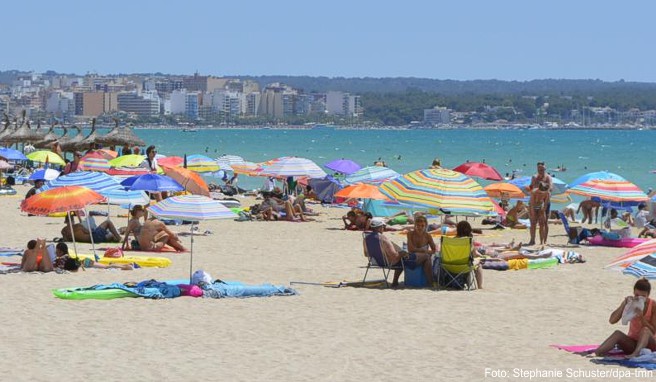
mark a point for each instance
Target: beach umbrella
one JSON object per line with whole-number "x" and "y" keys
{"x": 612, "y": 190}
{"x": 479, "y": 170}
{"x": 523, "y": 182}
{"x": 294, "y": 166}
{"x": 190, "y": 180}
{"x": 96, "y": 181}
{"x": 131, "y": 160}
{"x": 226, "y": 162}
{"x": 152, "y": 183}
{"x": 371, "y": 174}
{"x": 93, "y": 161}
{"x": 248, "y": 168}
{"x": 22, "y": 135}
{"x": 120, "y": 136}
{"x": 48, "y": 139}
{"x": 62, "y": 199}
{"x": 343, "y": 166}
{"x": 439, "y": 188}
{"x": 44, "y": 174}
{"x": 201, "y": 163}
{"x": 4, "y": 165}
{"x": 361, "y": 191}
{"x": 90, "y": 140}
{"x": 126, "y": 197}
{"x": 107, "y": 153}
{"x": 11, "y": 154}
{"x": 44, "y": 156}
{"x": 603, "y": 175}
{"x": 70, "y": 143}
{"x": 126, "y": 172}
{"x": 194, "y": 208}
{"x": 634, "y": 254}
{"x": 172, "y": 161}
{"x": 504, "y": 190}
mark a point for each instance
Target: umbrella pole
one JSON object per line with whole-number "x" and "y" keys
{"x": 93, "y": 245}
{"x": 191, "y": 255}
{"x": 70, "y": 225}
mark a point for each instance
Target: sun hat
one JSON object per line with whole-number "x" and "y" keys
{"x": 201, "y": 276}
{"x": 377, "y": 222}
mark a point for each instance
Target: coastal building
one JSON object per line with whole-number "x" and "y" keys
{"x": 437, "y": 116}
{"x": 60, "y": 104}
{"x": 143, "y": 105}
{"x": 93, "y": 104}
{"x": 203, "y": 83}
{"x": 253, "y": 103}
{"x": 341, "y": 103}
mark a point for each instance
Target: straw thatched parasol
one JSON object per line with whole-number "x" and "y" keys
{"x": 68, "y": 144}
{"x": 90, "y": 140}
{"x": 48, "y": 139}
{"x": 23, "y": 134}
{"x": 120, "y": 136}
{"x": 7, "y": 127}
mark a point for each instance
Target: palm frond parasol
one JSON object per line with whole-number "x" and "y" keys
{"x": 23, "y": 134}
{"x": 49, "y": 138}
{"x": 90, "y": 140}
{"x": 119, "y": 136}
{"x": 69, "y": 143}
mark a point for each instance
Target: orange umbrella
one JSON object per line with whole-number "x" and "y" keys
{"x": 107, "y": 153}
{"x": 190, "y": 180}
{"x": 362, "y": 190}
{"x": 502, "y": 189}
{"x": 61, "y": 199}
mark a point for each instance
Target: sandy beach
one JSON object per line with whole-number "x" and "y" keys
{"x": 323, "y": 334}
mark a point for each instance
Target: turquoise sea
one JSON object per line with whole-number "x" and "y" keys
{"x": 629, "y": 153}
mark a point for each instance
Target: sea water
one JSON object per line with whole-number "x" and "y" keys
{"x": 628, "y": 153}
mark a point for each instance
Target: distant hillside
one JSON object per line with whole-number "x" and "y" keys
{"x": 450, "y": 87}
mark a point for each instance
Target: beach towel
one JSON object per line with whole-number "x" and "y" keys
{"x": 7, "y": 252}
{"x": 517, "y": 264}
{"x": 166, "y": 248}
{"x": 221, "y": 290}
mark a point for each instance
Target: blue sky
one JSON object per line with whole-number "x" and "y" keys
{"x": 461, "y": 40}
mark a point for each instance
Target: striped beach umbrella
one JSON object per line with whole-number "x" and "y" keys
{"x": 201, "y": 163}
{"x": 194, "y": 208}
{"x": 248, "y": 168}
{"x": 227, "y": 161}
{"x": 634, "y": 254}
{"x": 371, "y": 174}
{"x": 294, "y": 166}
{"x": 93, "y": 162}
{"x": 44, "y": 156}
{"x": 96, "y": 181}
{"x": 61, "y": 199}
{"x": 610, "y": 190}
{"x": 127, "y": 198}
{"x": 602, "y": 175}
{"x": 440, "y": 189}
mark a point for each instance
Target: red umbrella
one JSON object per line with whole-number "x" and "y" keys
{"x": 480, "y": 170}
{"x": 170, "y": 161}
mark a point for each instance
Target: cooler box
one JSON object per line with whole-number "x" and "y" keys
{"x": 415, "y": 277}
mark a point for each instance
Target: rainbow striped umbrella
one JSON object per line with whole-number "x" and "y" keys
{"x": 294, "y": 166}
{"x": 371, "y": 174}
{"x": 201, "y": 163}
{"x": 194, "y": 208}
{"x": 634, "y": 254}
{"x": 440, "y": 189}
{"x": 604, "y": 175}
{"x": 96, "y": 181}
{"x": 94, "y": 162}
{"x": 610, "y": 190}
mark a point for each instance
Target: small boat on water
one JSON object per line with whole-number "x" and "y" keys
{"x": 190, "y": 130}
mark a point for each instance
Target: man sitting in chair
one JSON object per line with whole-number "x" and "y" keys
{"x": 395, "y": 254}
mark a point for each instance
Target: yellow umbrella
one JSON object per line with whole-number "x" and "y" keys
{"x": 127, "y": 161}
{"x": 45, "y": 156}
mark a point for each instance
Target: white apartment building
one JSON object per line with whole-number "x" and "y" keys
{"x": 437, "y": 116}
{"x": 341, "y": 103}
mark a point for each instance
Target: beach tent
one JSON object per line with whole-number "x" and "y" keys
{"x": 325, "y": 188}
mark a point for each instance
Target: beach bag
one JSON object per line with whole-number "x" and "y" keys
{"x": 113, "y": 252}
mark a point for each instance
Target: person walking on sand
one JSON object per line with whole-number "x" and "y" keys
{"x": 540, "y": 203}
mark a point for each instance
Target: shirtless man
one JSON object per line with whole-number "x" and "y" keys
{"x": 586, "y": 207}
{"x": 540, "y": 202}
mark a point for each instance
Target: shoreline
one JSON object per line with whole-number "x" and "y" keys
{"x": 350, "y": 128}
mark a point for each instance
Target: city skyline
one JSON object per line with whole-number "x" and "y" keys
{"x": 513, "y": 40}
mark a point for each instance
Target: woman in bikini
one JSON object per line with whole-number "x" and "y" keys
{"x": 540, "y": 203}
{"x": 134, "y": 225}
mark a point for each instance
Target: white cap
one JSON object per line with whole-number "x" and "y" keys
{"x": 377, "y": 222}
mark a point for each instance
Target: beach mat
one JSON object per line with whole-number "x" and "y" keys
{"x": 7, "y": 252}
{"x": 142, "y": 261}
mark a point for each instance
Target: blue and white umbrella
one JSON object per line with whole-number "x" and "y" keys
{"x": 293, "y": 166}
{"x": 372, "y": 174}
{"x": 559, "y": 187}
{"x": 45, "y": 174}
{"x": 126, "y": 198}
{"x": 226, "y": 161}
{"x": 96, "y": 181}
{"x": 194, "y": 208}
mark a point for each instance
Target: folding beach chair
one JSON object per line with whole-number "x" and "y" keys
{"x": 456, "y": 263}
{"x": 374, "y": 253}
{"x": 571, "y": 232}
